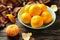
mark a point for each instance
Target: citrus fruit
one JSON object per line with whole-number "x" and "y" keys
{"x": 12, "y": 30}
{"x": 36, "y": 21}
{"x": 11, "y": 18}
{"x": 47, "y": 18}
{"x": 34, "y": 10}
{"x": 26, "y": 18}
{"x": 43, "y": 7}
{"x": 26, "y": 8}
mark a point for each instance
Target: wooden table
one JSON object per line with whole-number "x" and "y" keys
{"x": 51, "y": 33}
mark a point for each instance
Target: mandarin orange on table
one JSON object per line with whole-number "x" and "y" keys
{"x": 43, "y": 7}
{"x": 26, "y": 18}
{"x": 36, "y": 21}
{"x": 47, "y": 18}
{"x": 12, "y": 30}
{"x": 34, "y": 10}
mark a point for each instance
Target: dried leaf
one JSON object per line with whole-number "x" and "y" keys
{"x": 54, "y": 7}
{"x": 26, "y": 36}
{"x": 44, "y": 1}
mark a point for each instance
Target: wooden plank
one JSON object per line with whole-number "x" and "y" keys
{"x": 51, "y": 33}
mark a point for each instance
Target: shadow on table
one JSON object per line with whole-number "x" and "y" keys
{"x": 18, "y": 37}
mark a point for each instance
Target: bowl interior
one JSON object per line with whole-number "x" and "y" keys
{"x": 44, "y": 26}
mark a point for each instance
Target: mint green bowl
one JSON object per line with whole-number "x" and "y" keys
{"x": 44, "y": 26}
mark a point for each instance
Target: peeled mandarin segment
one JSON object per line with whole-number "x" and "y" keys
{"x": 43, "y": 7}
{"x": 11, "y": 18}
{"x": 34, "y": 10}
{"x": 26, "y": 8}
{"x": 12, "y": 30}
{"x": 26, "y": 18}
{"x": 47, "y": 18}
{"x": 36, "y": 21}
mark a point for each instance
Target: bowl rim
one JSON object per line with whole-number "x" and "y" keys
{"x": 40, "y": 27}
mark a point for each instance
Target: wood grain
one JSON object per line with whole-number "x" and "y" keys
{"x": 51, "y": 33}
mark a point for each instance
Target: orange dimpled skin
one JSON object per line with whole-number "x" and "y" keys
{"x": 34, "y": 10}
{"x": 26, "y": 18}
{"x": 12, "y": 30}
{"x": 47, "y": 18}
{"x": 36, "y": 21}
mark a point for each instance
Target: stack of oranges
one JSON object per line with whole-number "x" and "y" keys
{"x": 36, "y": 15}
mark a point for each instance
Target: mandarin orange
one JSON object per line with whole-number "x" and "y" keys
{"x": 43, "y": 7}
{"x": 34, "y": 10}
{"x": 47, "y": 18}
{"x": 26, "y": 8}
{"x": 26, "y": 18}
{"x": 12, "y": 30}
{"x": 36, "y": 21}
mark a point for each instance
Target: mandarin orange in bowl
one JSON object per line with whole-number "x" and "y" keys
{"x": 38, "y": 19}
{"x": 26, "y": 9}
{"x": 43, "y": 7}
{"x": 47, "y": 18}
{"x": 26, "y": 18}
{"x": 34, "y": 10}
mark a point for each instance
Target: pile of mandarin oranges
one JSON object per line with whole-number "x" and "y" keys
{"x": 36, "y": 15}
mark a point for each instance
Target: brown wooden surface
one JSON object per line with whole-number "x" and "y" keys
{"x": 51, "y": 33}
